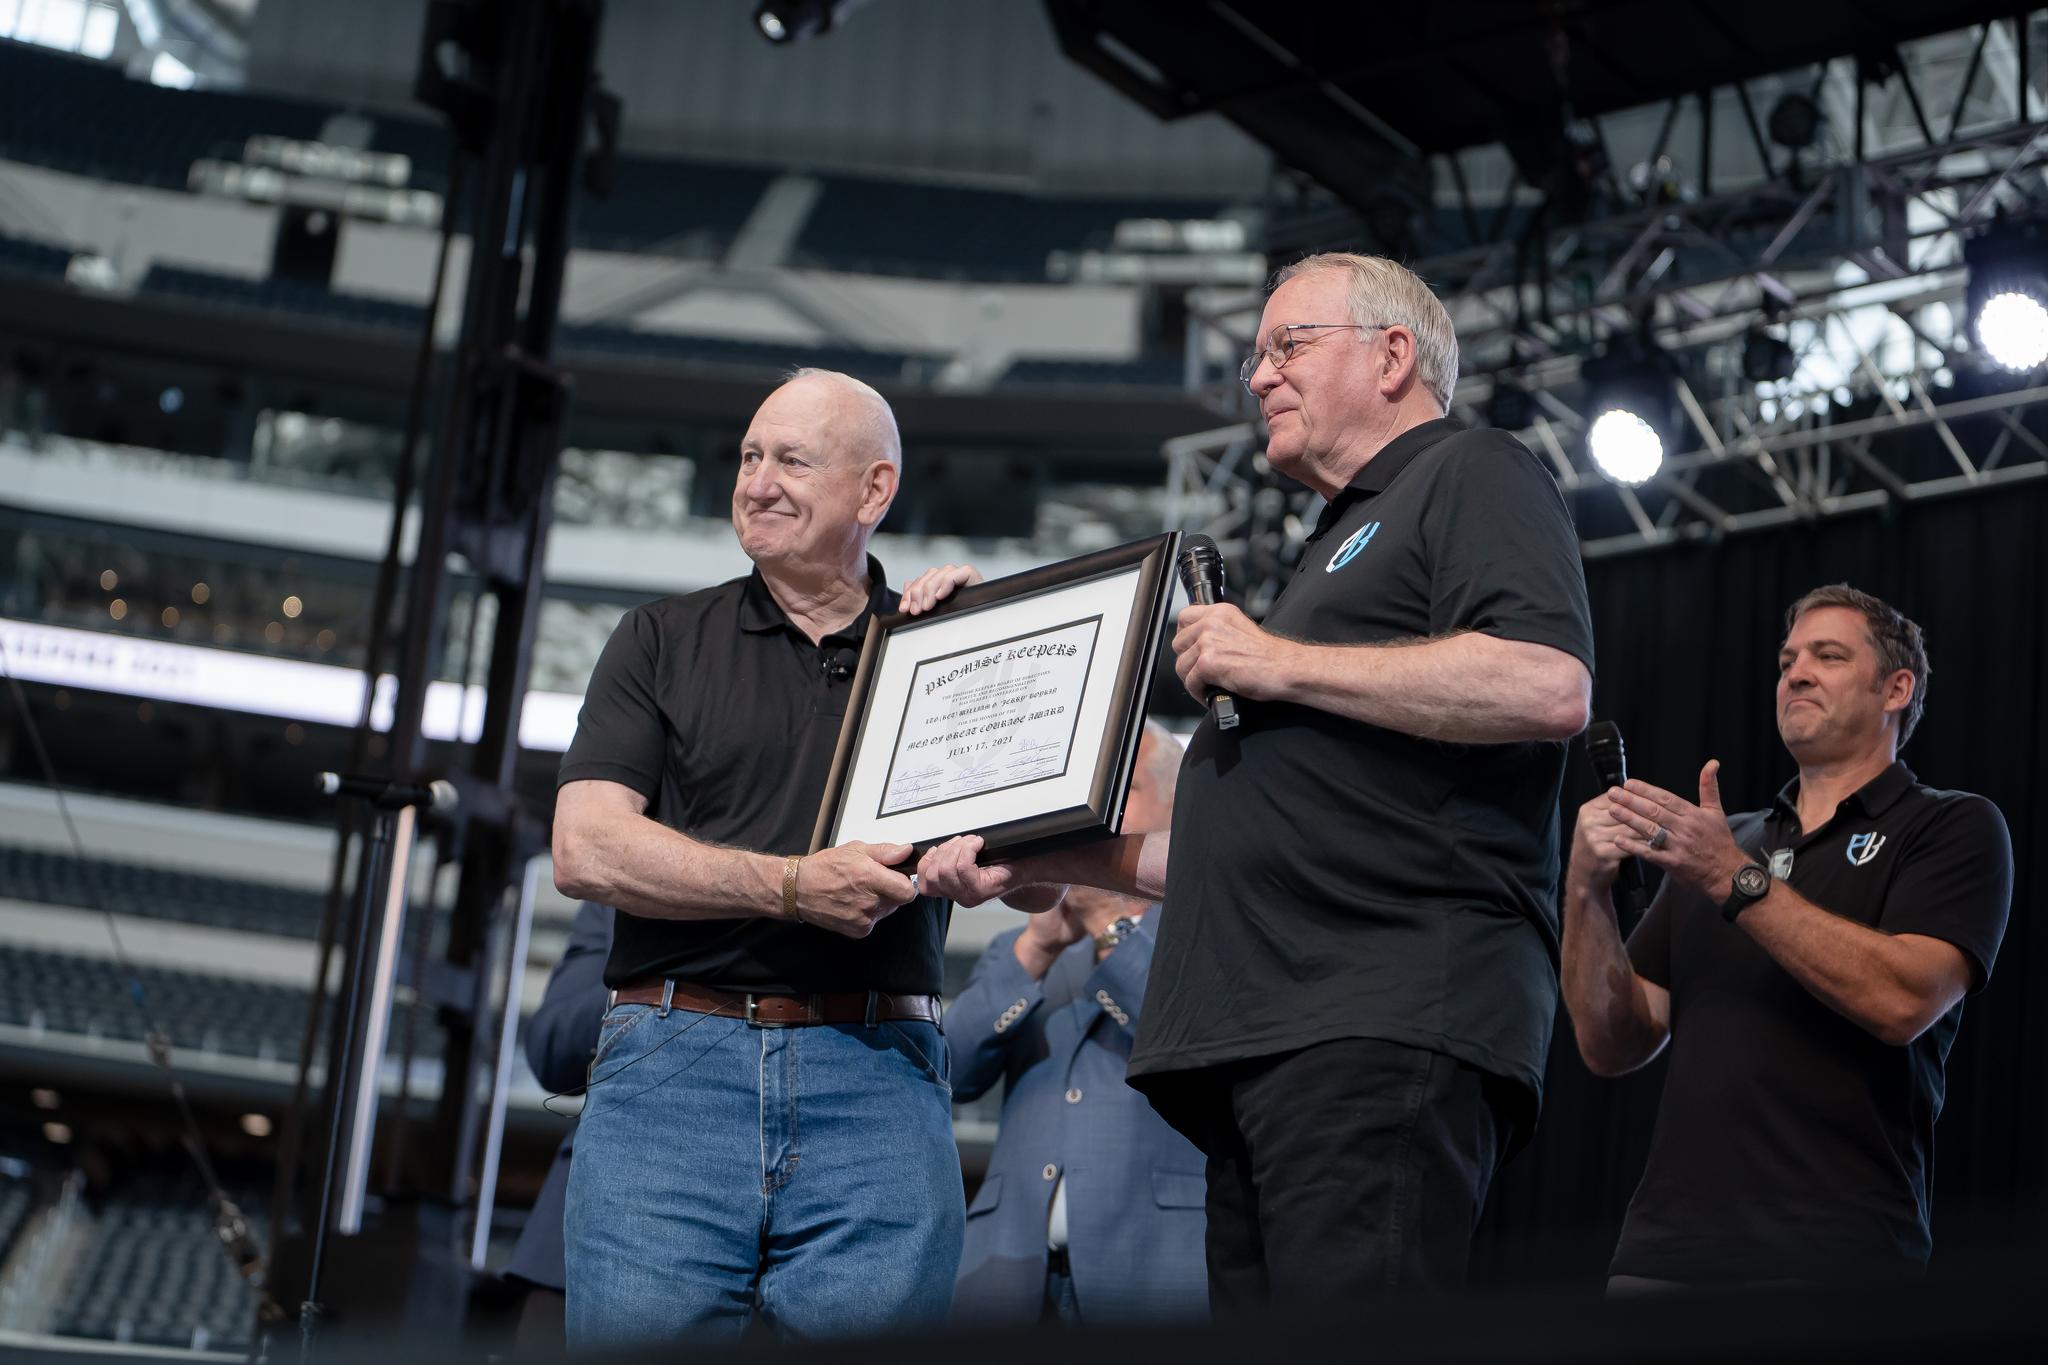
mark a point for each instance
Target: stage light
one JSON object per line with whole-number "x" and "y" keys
{"x": 2014, "y": 329}
{"x": 1629, "y": 404}
{"x": 2008, "y": 294}
{"x": 1795, "y": 122}
{"x": 1625, "y": 446}
{"x": 1510, "y": 408}
{"x": 1767, "y": 359}
{"x": 783, "y": 22}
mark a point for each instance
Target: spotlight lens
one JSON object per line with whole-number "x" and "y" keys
{"x": 1627, "y": 449}
{"x": 2014, "y": 329}
{"x": 772, "y": 26}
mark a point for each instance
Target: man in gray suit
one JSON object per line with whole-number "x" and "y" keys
{"x": 1092, "y": 1205}
{"x": 559, "y": 1040}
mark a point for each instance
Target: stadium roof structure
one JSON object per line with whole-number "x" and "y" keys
{"x": 1342, "y": 94}
{"x": 1700, "y": 180}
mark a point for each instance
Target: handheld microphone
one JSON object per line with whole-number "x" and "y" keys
{"x": 839, "y": 664}
{"x": 438, "y": 796}
{"x": 1201, "y": 573}
{"x": 1610, "y": 761}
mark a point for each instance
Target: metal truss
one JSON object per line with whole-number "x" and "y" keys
{"x": 1855, "y": 263}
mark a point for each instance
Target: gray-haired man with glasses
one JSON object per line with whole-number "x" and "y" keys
{"x": 1283, "y": 341}
{"x": 1352, "y": 993}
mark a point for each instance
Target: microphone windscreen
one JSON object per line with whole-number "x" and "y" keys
{"x": 1200, "y": 561}
{"x": 1604, "y": 748}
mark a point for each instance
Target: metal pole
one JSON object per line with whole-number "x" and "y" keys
{"x": 382, "y": 972}
{"x": 501, "y": 1087}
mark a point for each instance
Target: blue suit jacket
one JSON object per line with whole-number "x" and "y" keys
{"x": 1134, "y": 1186}
{"x": 560, "y": 1037}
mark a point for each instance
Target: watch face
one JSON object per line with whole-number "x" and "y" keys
{"x": 1752, "y": 881}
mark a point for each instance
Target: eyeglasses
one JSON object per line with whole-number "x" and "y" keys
{"x": 1281, "y": 345}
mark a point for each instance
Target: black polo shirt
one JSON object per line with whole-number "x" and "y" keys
{"x": 725, "y": 716}
{"x": 1332, "y": 879}
{"x": 1790, "y": 1143}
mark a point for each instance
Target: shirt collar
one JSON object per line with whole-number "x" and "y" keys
{"x": 1381, "y": 470}
{"x": 760, "y": 612}
{"x": 1872, "y": 799}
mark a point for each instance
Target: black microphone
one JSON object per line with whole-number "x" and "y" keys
{"x": 839, "y": 664}
{"x": 1201, "y": 573}
{"x": 1610, "y": 761}
{"x": 438, "y": 796}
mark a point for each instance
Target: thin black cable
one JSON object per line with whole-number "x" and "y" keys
{"x": 230, "y": 1225}
{"x": 590, "y": 1079}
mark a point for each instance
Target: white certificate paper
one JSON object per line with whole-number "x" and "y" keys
{"x": 990, "y": 718}
{"x": 975, "y": 737}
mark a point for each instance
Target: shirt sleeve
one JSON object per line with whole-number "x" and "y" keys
{"x": 620, "y": 734}
{"x": 1504, "y": 552}
{"x": 1954, "y": 883}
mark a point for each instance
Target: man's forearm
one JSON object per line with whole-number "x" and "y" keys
{"x": 1036, "y": 900}
{"x": 1130, "y": 865}
{"x": 1872, "y": 979}
{"x": 1466, "y": 689}
{"x": 1611, "y": 1017}
{"x": 645, "y": 868}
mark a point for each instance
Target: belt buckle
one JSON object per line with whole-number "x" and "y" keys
{"x": 813, "y": 1014}
{"x": 753, "y": 1015}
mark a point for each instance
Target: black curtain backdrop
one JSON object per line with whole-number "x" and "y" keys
{"x": 1687, "y": 641}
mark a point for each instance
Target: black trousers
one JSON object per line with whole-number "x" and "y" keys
{"x": 1345, "y": 1170}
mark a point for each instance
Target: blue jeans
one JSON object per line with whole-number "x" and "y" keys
{"x": 722, "y": 1172}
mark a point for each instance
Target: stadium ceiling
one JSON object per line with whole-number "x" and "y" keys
{"x": 1354, "y": 100}
{"x": 1836, "y": 252}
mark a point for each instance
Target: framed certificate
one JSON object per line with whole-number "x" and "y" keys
{"x": 1011, "y": 710}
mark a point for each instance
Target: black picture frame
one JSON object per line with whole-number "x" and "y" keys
{"x": 1100, "y": 815}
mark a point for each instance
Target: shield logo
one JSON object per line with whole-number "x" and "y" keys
{"x": 1781, "y": 864}
{"x": 1353, "y": 543}
{"x": 1864, "y": 847}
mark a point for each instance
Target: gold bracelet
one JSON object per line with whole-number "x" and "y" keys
{"x": 789, "y": 909}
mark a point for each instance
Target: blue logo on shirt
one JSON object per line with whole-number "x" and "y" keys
{"x": 1353, "y": 543}
{"x": 1864, "y": 847}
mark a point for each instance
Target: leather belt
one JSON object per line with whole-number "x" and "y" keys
{"x": 782, "y": 1011}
